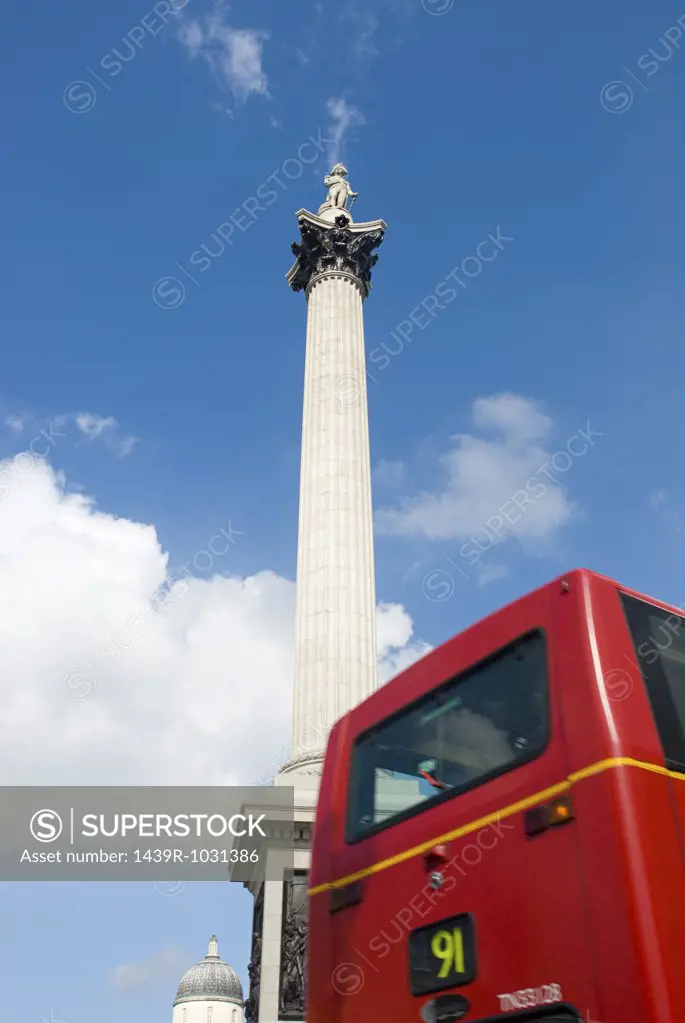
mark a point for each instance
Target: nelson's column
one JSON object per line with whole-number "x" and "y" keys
{"x": 335, "y": 663}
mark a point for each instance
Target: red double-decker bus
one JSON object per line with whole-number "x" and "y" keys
{"x": 500, "y": 829}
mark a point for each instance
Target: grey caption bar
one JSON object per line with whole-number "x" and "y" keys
{"x": 85, "y": 833}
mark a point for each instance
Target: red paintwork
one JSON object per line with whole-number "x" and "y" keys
{"x": 596, "y": 906}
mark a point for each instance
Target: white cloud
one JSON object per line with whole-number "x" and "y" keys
{"x": 491, "y": 573}
{"x": 396, "y": 649}
{"x": 366, "y": 25}
{"x": 145, "y": 973}
{"x": 657, "y": 498}
{"x": 389, "y": 474}
{"x": 221, "y": 108}
{"x": 92, "y": 425}
{"x": 60, "y": 429}
{"x": 343, "y": 117}
{"x": 192, "y": 35}
{"x": 15, "y": 423}
{"x": 483, "y": 474}
{"x": 233, "y": 54}
{"x": 95, "y": 427}
{"x": 105, "y": 678}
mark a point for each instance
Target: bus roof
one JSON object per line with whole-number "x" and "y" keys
{"x": 430, "y": 661}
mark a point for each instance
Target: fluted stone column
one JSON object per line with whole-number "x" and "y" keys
{"x": 335, "y": 633}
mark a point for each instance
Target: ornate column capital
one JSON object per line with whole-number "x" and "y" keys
{"x": 339, "y": 247}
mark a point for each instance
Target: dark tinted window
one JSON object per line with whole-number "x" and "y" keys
{"x": 659, "y": 639}
{"x": 480, "y": 724}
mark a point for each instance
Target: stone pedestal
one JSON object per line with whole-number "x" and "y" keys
{"x": 331, "y": 213}
{"x": 278, "y": 953}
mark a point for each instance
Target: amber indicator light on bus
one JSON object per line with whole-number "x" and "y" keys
{"x": 540, "y": 818}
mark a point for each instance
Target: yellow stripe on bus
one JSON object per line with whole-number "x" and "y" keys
{"x": 523, "y": 804}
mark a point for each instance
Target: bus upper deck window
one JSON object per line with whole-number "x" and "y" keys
{"x": 485, "y": 721}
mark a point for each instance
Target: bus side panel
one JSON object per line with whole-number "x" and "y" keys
{"x": 525, "y": 895}
{"x": 630, "y": 844}
{"x": 652, "y": 845}
{"x": 326, "y": 826}
{"x": 608, "y": 923}
{"x": 326, "y": 823}
{"x": 674, "y": 894}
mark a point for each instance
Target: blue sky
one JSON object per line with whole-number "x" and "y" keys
{"x": 553, "y": 126}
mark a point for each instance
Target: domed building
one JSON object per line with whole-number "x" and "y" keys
{"x": 210, "y": 992}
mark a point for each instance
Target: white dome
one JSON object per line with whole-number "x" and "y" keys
{"x": 210, "y": 980}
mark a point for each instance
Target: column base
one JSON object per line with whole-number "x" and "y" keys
{"x": 278, "y": 956}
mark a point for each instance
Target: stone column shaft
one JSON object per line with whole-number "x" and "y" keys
{"x": 335, "y": 632}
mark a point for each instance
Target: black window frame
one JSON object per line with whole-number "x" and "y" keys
{"x": 352, "y": 837}
{"x": 669, "y": 727}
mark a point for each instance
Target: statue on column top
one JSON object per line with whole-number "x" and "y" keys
{"x": 339, "y": 190}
